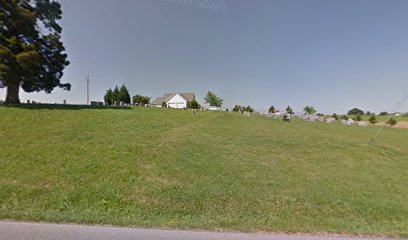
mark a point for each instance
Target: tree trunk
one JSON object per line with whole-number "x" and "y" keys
{"x": 12, "y": 93}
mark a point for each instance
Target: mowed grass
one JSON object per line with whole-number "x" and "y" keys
{"x": 215, "y": 170}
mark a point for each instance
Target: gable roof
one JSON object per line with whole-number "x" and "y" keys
{"x": 167, "y": 96}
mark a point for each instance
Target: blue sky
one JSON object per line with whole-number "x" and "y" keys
{"x": 330, "y": 54}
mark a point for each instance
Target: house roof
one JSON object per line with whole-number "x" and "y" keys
{"x": 167, "y": 96}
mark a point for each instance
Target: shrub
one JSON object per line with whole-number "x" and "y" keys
{"x": 344, "y": 117}
{"x": 357, "y": 117}
{"x": 193, "y": 105}
{"x": 392, "y": 121}
{"x": 372, "y": 119}
{"x": 335, "y": 116}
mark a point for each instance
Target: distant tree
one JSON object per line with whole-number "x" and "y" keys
{"x": 164, "y": 105}
{"x": 383, "y": 113}
{"x": 309, "y": 110}
{"x": 289, "y": 110}
{"x": 236, "y": 108}
{"x": 141, "y": 100}
{"x": 249, "y": 109}
{"x": 335, "y": 116}
{"x": 355, "y": 111}
{"x": 372, "y": 119}
{"x": 392, "y": 121}
{"x": 124, "y": 95}
{"x": 368, "y": 113}
{"x": 213, "y": 100}
{"x": 116, "y": 94}
{"x": 193, "y": 105}
{"x": 272, "y": 109}
{"x": 344, "y": 117}
{"x": 108, "y": 97}
{"x": 32, "y": 55}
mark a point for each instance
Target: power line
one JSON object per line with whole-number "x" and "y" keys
{"x": 396, "y": 109}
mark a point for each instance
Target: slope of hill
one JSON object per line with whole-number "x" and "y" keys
{"x": 212, "y": 170}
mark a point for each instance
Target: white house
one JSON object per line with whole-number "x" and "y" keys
{"x": 174, "y": 100}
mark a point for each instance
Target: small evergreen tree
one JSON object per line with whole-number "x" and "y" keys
{"x": 236, "y": 108}
{"x": 124, "y": 95}
{"x": 116, "y": 94}
{"x": 272, "y": 109}
{"x": 289, "y": 110}
{"x": 108, "y": 97}
{"x": 249, "y": 109}
{"x": 193, "y": 105}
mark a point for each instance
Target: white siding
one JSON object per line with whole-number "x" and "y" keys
{"x": 177, "y": 101}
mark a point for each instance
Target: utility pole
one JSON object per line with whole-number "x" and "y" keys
{"x": 87, "y": 90}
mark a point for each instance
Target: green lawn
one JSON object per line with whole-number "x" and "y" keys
{"x": 214, "y": 170}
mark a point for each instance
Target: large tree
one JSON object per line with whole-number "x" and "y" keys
{"x": 124, "y": 94}
{"x": 141, "y": 100}
{"x": 212, "y": 99}
{"x": 32, "y": 55}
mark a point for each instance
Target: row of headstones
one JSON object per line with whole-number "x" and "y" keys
{"x": 349, "y": 122}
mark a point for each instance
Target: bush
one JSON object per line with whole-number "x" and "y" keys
{"x": 372, "y": 119}
{"x": 193, "y": 105}
{"x": 357, "y": 117}
{"x": 392, "y": 121}
{"x": 335, "y": 116}
{"x": 344, "y": 117}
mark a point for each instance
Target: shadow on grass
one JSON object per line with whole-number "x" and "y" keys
{"x": 63, "y": 107}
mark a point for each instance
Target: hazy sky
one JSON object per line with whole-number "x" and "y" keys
{"x": 333, "y": 55}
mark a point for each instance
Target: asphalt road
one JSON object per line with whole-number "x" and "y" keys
{"x": 45, "y": 231}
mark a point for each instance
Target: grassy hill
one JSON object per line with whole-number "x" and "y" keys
{"x": 214, "y": 170}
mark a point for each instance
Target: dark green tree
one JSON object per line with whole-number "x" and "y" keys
{"x": 249, "y": 109}
{"x": 289, "y": 110}
{"x": 116, "y": 94}
{"x": 32, "y": 55}
{"x": 383, "y": 113}
{"x": 335, "y": 116}
{"x": 141, "y": 100}
{"x": 124, "y": 94}
{"x": 236, "y": 108}
{"x": 193, "y": 104}
{"x": 108, "y": 97}
{"x": 272, "y": 109}
{"x": 355, "y": 111}
{"x": 213, "y": 100}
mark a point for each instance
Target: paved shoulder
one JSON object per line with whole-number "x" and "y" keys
{"x": 43, "y": 231}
